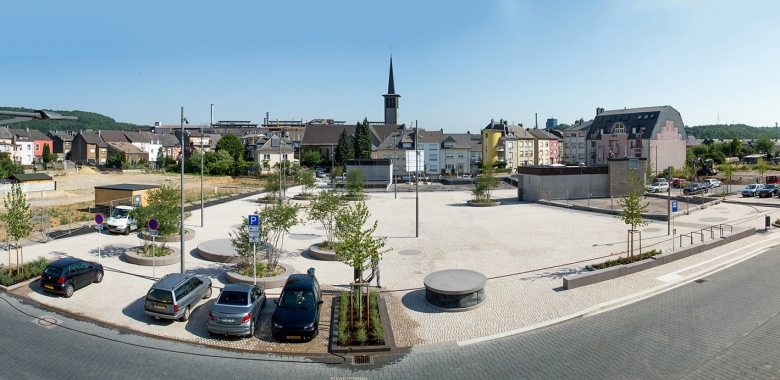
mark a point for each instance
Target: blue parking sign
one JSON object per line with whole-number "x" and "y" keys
{"x": 674, "y": 206}
{"x": 254, "y": 220}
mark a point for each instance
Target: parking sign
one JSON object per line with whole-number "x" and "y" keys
{"x": 254, "y": 220}
{"x": 674, "y": 206}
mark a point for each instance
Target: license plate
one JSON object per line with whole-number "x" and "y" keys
{"x": 293, "y": 337}
{"x": 161, "y": 307}
{"x": 48, "y": 286}
{"x": 227, "y": 320}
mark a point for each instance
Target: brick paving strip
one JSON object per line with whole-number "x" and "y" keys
{"x": 517, "y": 237}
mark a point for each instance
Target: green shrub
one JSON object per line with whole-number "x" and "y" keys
{"x": 31, "y": 269}
{"x": 620, "y": 260}
{"x": 343, "y": 337}
{"x": 361, "y": 335}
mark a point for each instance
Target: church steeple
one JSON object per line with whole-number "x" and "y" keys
{"x": 391, "y": 83}
{"x": 391, "y": 99}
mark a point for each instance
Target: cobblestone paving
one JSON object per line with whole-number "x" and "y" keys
{"x": 524, "y": 248}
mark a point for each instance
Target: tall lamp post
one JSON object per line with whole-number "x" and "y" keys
{"x": 181, "y": 158}
{"x": 395, "y": 160}
{"x": 416, "y": 182}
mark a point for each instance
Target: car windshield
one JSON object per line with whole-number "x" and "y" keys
{"x": 119, "y": 213}
{"x": 52, "y": 271}
{"x": 296, "y": 299}
{"x": 658, "y": 183}
{"x": 770, "y": 186}
{"x": 159, "y": 295}
{"x": 752, "y": 186}
{"x": 233, "y": 298}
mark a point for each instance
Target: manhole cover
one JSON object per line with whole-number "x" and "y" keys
{"x": 651, "y": 230}
{"x": 713, "y": 220}
{"x": 718, "y": 208}
{"x": 701, "y": 280}
{"x": 321, "y": 228}
{"x": 410, "y": 252}
{"x": 303, "y": 236}
{"x": 362, "y": 359}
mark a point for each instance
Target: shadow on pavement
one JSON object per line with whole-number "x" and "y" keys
{"x": 113, "y": 250}
{"x": 556, "y": 275}
{"x": 135, "y": 310}
{"x": 415, "y": 301}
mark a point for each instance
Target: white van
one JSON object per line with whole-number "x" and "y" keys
{"x": 120, "y": 221}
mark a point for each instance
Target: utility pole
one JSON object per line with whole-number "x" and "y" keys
{"x": 395, "y": 159}
{"x": 417, "y": 181}
{"x": 181, "y": 158}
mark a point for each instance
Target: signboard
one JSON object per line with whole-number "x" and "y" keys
{"x": 152, "y": 232}
{"x": 254, "y": 220}
{"x": 99, "y": 227}
{"x": 153, "y": 224}
{"x": 412, "y": 161}
{"x": 674, "y": 206}
{"x": 99, "y": 218}
{"x": 254, "y": 239}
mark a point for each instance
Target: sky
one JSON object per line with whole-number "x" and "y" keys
{"x": 457, "y": 64}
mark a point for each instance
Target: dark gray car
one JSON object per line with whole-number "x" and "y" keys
{"x": 175, "y": 295}
{"x": 236, "y": 310}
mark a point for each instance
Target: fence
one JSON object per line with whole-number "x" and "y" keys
{"x": 701, "y": 233}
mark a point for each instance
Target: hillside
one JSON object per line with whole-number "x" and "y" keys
{"x": 87, "y": 120}
{"x": 730, "y": 131}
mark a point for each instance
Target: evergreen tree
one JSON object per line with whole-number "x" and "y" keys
{"x": 343, "y": 150}
{"x": 232, "y": 144}
{"x": 362, "y": 140}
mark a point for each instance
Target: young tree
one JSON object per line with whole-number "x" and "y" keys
{"x": 239, "y": 239}
{"x": 17, "y": 218}
{"x": 484, "y": 185}
{"x": 728, "y": 171}
{"x": 336, "y": 173}
{"x": 307, "y": 181}
{"x": 634, "y": 205}
{"x": 355, "y": 183}
{"x": 273, "y": 186}
{"x": 324, "y": 208}
{"x": 46, "y": 154}
{"x": 231, "y": 144}
{"x": 761, "y": 167}
{"x": 311, "y": 157}
{"x": 8, "y": 166}
{"x": 357, "y": 245}
{"x": 362, "y": 140}
{"x": 343, "y": 150}
{"x": 276, "y": 221}
{"x": 162, "y": 204}
{"x": 160, "y": 162}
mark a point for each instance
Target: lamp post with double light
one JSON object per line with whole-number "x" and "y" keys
{"x": 181, "y": 158}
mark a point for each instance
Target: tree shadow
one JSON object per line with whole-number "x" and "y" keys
{"x": 113, "y": 250}
{"x": 555, "y": 275}
{"x": 457, "y": 205}
{"x": 415, "y": 301}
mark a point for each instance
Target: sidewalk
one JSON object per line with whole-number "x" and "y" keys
{"x": 537, "y": 240}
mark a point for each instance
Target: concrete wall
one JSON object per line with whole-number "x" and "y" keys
{"x": 619, "y": 175}
{"x": 378, "y": 172}
{"x": 539, "y": 182}
{"x": 28, "y": 187}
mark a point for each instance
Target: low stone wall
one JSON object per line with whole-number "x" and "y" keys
{"x": 323, "y": 255}
{"x": 386, "y": 327}
{"x": 266, "y": 282}
{"x": 188, "y": 235}
{"x": 584, "y": 279}
{"x": 481, "y": 204}
{"x": 136, "y": 259}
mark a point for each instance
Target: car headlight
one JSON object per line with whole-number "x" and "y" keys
{"x": 309, "y": 327}
{"x": 277, "y": 326}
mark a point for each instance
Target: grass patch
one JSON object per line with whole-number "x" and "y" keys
{"x": 158, "y": 251}
{"x": 626, "y": 260}
{"x": 355, "y": 331}
{"x": 246, "y": 270}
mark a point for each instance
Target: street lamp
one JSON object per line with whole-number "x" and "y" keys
{"x": 37, "y": 115}
{"x": 181, "y": 157}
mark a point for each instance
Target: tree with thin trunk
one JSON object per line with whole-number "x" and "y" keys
{"x": 17, "y": 218}
{"x": 633, "y": 205}
{"x": 761, "y": 167}
{"x": 275, "y": 222}
{"x": 324, "y": 208}
{"x": 728, "y": 171}
{"x": 357, "y": 245}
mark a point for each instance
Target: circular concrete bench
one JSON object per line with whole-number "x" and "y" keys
{"x": 357, "y": 199}
{"x": 455, "y": 289}
{"x": 218, "y": 250}
{"x": 303, "y": 197}
{"x": 319, "y": 254}
{"x": 188, "y": 235}
{"x": 266, "y": 282}
{"x": 483, "y": 204}
{"x": 134, "y": 258}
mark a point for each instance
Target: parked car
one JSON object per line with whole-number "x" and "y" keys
{"x": 64, "y": 276}
{"x": 175, "y": 295}
{"x": 769, "y": 191}
{"x": 466, "y": 176}
{"x": 120, "y": 220}
{"x": 712, "y": 182}
{"x": 297, "y": 315}
{"x": 659, "y": 179}
{"x": 752, "y": 189}
{"x": 657, "y": 187}
{"x": 236, "y": 310}
{"x": 679, "y": 182}
{"x": 770, "y": 179}
{"x": 695, "y": 188}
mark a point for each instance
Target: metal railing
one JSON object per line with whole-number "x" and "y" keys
{"x": 701, "y": 233}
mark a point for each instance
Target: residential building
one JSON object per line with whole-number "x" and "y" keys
{"x": 62, "y": 142}
{"x": 147, "y": 142}
{"x": 170, "y": 146}
{"x": 545, "y": 147}
{"x": 23, "y": 147}
{"x": 574, "y": 140}
{"x": 89, "y": 147}
{"x": 654, "y": 133}
{"x": 133, "y": 154}
{"x": 512, "y": 144}
{"x": 455, "y": 154}
{"x": 273, "y": 150}
{"x": 40, "y": 140}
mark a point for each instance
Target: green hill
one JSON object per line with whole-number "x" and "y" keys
{"x": 730, "y": 131}
{"x": 87, "y": 120}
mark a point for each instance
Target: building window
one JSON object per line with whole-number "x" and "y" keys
{"x": 284, "y": 156}
{"x": 449, "y": 166}
{"x": 460, "y": 155}
{"x": 449, "y": 155}
{"x": 509, "y": 144}
{"x": 91, "y": 150}
{"x": 37, "y": 147}
{"x": 618, "y": 128}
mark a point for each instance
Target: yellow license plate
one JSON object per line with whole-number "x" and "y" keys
{"x": 48, "y": 286}
{"x": 293, "y": 337}
{"x": 162, "y": 307}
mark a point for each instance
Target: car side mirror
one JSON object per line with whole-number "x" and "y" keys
{"x": 319, "y": 302}
{"x": 276, "y": 302}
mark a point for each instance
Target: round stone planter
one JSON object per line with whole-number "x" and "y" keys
{"x": 271, "y": 201}
{"x": 218, "y": 251}
{"x": 319, "y": 254}
{"x": 266, "y": 282}
{"x": 188, "y": 235}
{"x": 357, "y": 199}
{"x": 776, "y": 225}
{"x": 480, "y": 204}
{"x": 303, "y": 197}
{"x": 134, "y": 258}
{"x": 455, "y": 289}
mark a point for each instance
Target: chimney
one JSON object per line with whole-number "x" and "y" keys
{"x": 536, "y": 120}
{"x": 98, "y": 133}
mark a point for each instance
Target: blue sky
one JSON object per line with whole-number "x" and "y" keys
{"x": 457, "y": 63}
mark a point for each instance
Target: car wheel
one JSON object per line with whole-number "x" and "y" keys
{"x": 69, "y": 291}
{"x": 99, "y": 276}
{"x": 208, "y": 293}
{"x": 184, "y": 317}
{"x": 126, "y": 231}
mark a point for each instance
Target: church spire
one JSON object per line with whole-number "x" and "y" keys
{"x": 391, "y": 83}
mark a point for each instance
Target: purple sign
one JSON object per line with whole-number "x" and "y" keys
{"x": 153, "y": 224}
{"x": 99, "y": 218}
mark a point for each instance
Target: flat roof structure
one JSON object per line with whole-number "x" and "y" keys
{"x": 128, "y": 187}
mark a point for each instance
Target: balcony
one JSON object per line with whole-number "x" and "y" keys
{"x": 499, "y": 148}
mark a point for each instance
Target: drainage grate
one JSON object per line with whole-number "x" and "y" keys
{"x": 362, "y": 359}
{"x": 701, "y": 280}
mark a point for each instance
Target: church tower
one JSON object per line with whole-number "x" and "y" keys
{"x": 391, "y": 99}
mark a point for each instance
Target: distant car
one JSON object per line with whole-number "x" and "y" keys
{"x": 712, "y": 182}
{"x": 297, "y": 315}
{"x": 466, "y": 176}
{"x": 769, "y": 191}
{"x": 771, "y": 179}
{"x": 751, "y": 190}
{"x": 679, "y": 182}
{"x": 64, "y": 276}
{"x": 659, "y": 179}
{"x": 321, "y": 174}
{"x": 695, "y": 188}
{"x": 237, "y": 310}
{"x": 657, "y": 187}
{"x": 175, "y": 295}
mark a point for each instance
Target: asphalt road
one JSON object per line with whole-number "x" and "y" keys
{"x": 725, "y": 327}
